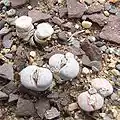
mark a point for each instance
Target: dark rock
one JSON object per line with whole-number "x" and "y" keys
{"x": 17, "y": 3}
{"x": 4, "y": 31}
{"x": 118, "y": 67}
{"x": 6, "y": 72}
{"x": 91, "y": 51}
{"x": 37, "y": 15}
{"x": 63, "y": 36}
{"x": 25, "y": 107}
{"x": 107, "y": 6}
{"x": 52, "y": 113}
{"x": 85, "y": 60}
{"x": 75, "y": 51}
{"x": 2, "y": 22}
{"x": 96, "y": 66}
{"x": 22, "y": 11}
{"x": 3, "y": 96}
{"x": 7, "y": 43}
{"x": 53, "y": 95}
{"x": 99, "y": 43}
{"x": 9, "y": 88}
{"x": 111, "y": 31}
{"x": 42, "y": 106}
{"x": 9, "y": 56}
{"x": 13, "y": 97}
{"x": 57, "y": 20}
{"x": 94, "y": 8}
{"x": 20, "y": 59}
{"x": 113, "y": 10}
{"x": 68, "y": 25}
{"x": 75, "y": 9}
{"x": 100, "y": 19}
{"x": 62, "y": 12}
{"x": 7, "y": 36}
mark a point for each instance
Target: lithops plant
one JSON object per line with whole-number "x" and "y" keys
{"x": 44, "y": 31}
{"x": 66, "y": 65}
{"x": 24, "y": 27}
{"x": 36, "y": 78}
{"x": 103, "y": 86}
{"x": 90, "y": 100}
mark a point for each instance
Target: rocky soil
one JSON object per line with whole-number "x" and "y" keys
{"x": 90, "y": 29}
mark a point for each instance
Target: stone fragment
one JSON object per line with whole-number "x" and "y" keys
{"x": 52, "y": 113}
{"x": 4, "y": 31}
{"x": 96, "y": 65}
{"x": 118, "y": 67}
{"x": 111, "y": 31}
{"x": 73, "y": 106}
{"x": 7, "y": 43}
{"x": 6, "y": 72}
{"x": 11, "y": 12}
{"x": 42, "y": 105}
{"x": 63, "y": 36}
{"x": 17, "y": 3}
{"x": 62, "y": 12}
{"x": 2, "y": 22}
{"x": 95, "y": 8}
{"x": 85, "y": 60}
{"x": 75, "y": 9}
{"x": 88, "y": 1}
{"x": 57, "y": 21}
{"x": 100, "y": 18}
{"x": 25, "y": 107}
{"x": 91, "y": 51}
{"x": 38, "y": 16}
{"x": 9, "y": 88}
{"x": 3, "y": 96}
{"x": 13, "y": 97}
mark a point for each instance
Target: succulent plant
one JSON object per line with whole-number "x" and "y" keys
{"x": 36, "y": 78}
{"x": 103, "y": 86}
{"x": 90, "y": 100}
{"x": 44, "y": 30}
{"x": 65, "y": 65}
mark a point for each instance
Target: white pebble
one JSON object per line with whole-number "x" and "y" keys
{"x": 36, "y": 78}
{"x": 33, "y": 54}
{"x": 85, "y": 71}
{"x": 86, "y": 24}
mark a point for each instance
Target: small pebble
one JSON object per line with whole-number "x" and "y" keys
{"x": 11, "y": 12}
{"x": 118, "y": 67}
{"x": 85, "y": 71}
{"x": 29, "y": 7}
{"x": 72, "y": 106}
{"x": 33, "y": 54}
{"x": 91, "y": 38}
{"x": 86, "y": 24}
{"x": 106, "y": 13}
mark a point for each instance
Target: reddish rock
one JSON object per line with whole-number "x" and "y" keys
{"x": 37, "y": 15}
{"x": 111, "y": 31}
{"x": 91, "y": 51}
{"x": 94, "y": 8}
{"x": 75, "y": 9}
{"x": 17, "y": 3}
{"x": 100, "y": 19}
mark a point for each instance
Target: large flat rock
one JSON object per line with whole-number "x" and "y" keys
{"x": 111, "y": 31}
{"x": 37, "y": 15}
{"x": 75, "y": 9}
